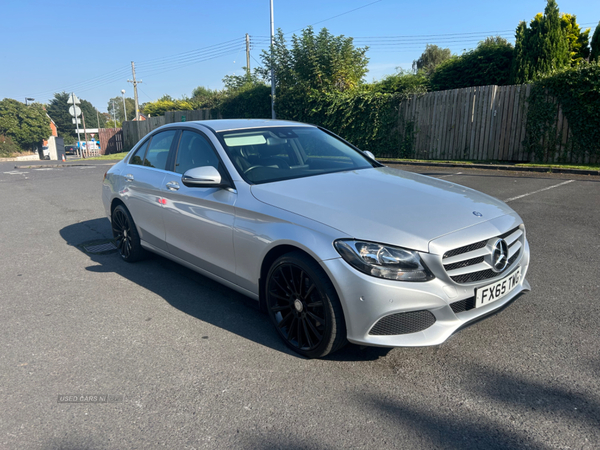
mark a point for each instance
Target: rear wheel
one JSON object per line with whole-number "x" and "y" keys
{"x": 304, "y": 307}
{"x": 126, "y": 236}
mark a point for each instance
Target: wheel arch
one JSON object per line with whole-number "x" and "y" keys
{"x": 271, "y": 256}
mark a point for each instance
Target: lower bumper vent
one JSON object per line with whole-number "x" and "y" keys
{"x": 403, "y": 323}
{"x": 463, "y": 305}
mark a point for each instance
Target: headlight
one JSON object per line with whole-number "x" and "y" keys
{"x": 383, "y": 261}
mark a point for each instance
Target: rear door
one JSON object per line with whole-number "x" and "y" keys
{"x": 143, "y": 179}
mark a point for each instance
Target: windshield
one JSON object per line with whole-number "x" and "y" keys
{"x": 282, "y": 153}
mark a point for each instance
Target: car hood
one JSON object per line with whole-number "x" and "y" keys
{"x": 383, "y": 205}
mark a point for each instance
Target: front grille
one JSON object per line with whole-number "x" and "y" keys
{"x": 470, "y": 263}
{"x": 403, "y": 323}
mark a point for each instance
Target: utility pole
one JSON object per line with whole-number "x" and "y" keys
{"x": 248, "y": 54}
{"x": 135, "y": 96}
{"x": 272, "y": 64}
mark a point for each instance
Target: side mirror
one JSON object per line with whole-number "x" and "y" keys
{"x": 369, "y": 154}
{"x": 205, "y": 176}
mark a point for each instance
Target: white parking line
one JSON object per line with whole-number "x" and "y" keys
{"x": 450, "y": 175}
{"x": 539, "y": 190}
{"x": 14, "y": 172}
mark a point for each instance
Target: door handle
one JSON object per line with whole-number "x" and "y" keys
{"x": 128, "y": 177}
{"x": 172, "y": 185}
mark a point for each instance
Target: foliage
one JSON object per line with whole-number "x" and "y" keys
{"x": 205, "y": 98}
{"x": 118, "y": 108}
{"x": 58, "y": 109}
{"x": 402, "y": 82}
{"x": 489, "y": 64}
{"x": 25, "y": 125}
{"x": 595, "y": 44}
{"x": 252, "y": 101}
{"x": 320, "y": 62}
{"x": 7, "y": 146}
{"x": 432, "y": 57}
{"x": 113, "y": 124}
{"x": 577, "y": 91}
{"x": 578, "y": 40}
{"x": 542, "y": 48}
{"x": 164, "y": 104}
{"x": 366, "y": 118}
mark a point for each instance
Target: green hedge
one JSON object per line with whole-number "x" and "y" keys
{"x": 367, "y": 119}
{"x": 577, "y": 90}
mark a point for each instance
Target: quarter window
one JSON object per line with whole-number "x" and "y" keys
{"x": 138, "y": 156}
{"x": 158, "y": 150}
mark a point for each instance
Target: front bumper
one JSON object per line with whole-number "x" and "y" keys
{"x": 366, "y": 300}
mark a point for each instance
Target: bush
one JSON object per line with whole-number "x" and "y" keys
{"x": 7, "y": 147}
{"x": 489, "y": 64}
{"x": 577, "y": 90}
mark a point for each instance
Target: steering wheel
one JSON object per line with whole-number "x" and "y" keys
{"x": 251, "y": 168}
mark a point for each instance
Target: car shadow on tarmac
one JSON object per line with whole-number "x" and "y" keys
{"x": 192, "y": 293}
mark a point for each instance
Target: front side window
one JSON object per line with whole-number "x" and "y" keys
{"x": 194, "y": 151}
{"x": 282, "y": 153}
{"x": 158, "y": 150}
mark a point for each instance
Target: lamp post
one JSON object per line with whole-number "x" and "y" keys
{"x": 272, "y": 64}
{"x": 28, "y": 99}
{"x": 124, "y": 109}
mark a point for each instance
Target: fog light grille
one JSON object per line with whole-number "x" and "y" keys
{"x": 403, "y": 323}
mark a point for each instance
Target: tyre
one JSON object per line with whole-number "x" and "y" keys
{"x": 126, "y": 235}
{"x": 304, "y": 307}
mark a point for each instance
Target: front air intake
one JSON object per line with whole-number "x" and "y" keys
{"x": 403, "y": 323}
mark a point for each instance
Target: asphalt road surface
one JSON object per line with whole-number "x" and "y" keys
{"x": 186, "y": 363}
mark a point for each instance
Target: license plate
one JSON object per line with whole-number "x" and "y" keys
{"x": 497, "y": 290}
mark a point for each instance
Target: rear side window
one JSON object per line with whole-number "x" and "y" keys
{"x": 158, "y": 150}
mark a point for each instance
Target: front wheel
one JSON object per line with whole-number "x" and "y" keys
{"x": 126, "y": 236}
{"x": 304, "y": 307}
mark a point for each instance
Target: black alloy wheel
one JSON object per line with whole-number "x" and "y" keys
{"x": 125, "y": 235}
{"x": 304, "y": 307}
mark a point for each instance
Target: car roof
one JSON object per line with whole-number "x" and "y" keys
{"x": 238, "y": 124}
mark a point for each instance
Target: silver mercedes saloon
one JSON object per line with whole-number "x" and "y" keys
{"x": 334, "y": 246}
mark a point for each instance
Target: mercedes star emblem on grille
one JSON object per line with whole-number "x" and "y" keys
{"x": 499, "y": 255}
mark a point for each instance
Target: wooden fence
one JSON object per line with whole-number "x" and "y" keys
{"x": 476, "y": 123}
{"x": 133, "y": 131}
{"x": 111, "y": 140}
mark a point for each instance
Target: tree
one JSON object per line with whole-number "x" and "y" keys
{"x": 26, "y": 126}
{"x": 579, "y": 49}
{"x": 595, "y": 44}
{"x": 118, "y": 105}
{"x": 403, "y": 82}
{"x": 488, "y": 64}
{"x": 203, "y": 97}
{"x": 58, "y": 109}
{"x": 321, "y": 62}
{"x": 541, "y": 49}
{"x": 166, "y": 103}
{"x": 432, "y": 57}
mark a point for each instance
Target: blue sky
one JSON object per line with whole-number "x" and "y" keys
{"x": 87, "y": 47}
